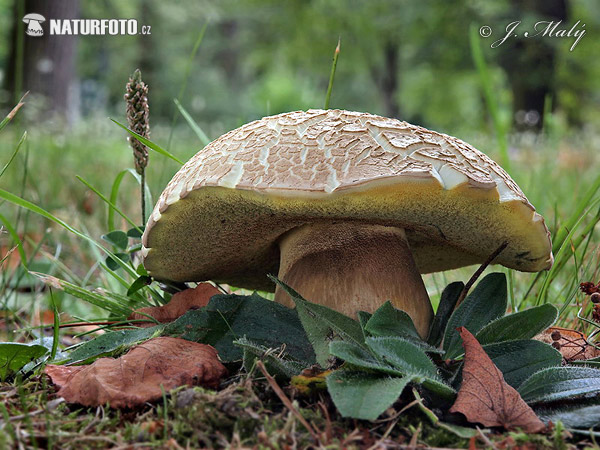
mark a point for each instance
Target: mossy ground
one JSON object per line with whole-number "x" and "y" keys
{"x": 244, "y": 413}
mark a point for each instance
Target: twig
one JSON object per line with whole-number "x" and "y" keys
{"x": 328, "y": 427}
{"x": 414, "y": 440}
{"x": 384, "y": 436}
{"x": 478, "y": 272}
{"x": 485, "y": 439}
{"x": 286, "y": 401}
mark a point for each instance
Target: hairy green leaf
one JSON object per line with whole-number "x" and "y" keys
{"x": 448, "y": 301}
{"x": 522, "y": 325}
{"x": 227, "y": 318}
{"x": 560, "y": 383}
{"x": 364, "y": 396}
{"x": 518, "y": 360}
{"x": 485, "y": 303}
{"x": 410, "y": 360}
{"x": 323, "y": 325}
{"x": 111, "y": 343}
{"x": 276, "y": 360}
{"x": 360, "y": 357}
{"x": 389, "y": 321}
{"x": 577, "y": 416}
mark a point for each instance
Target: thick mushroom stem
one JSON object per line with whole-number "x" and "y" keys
{"x": 353, "y": 267}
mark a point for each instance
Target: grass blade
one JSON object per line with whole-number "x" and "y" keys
{"x": 114, "y": 192}
{"x": 14, "y": 154}
{"x": 186, "y": 76}
{"x": 562, "y": 256}
{"x": 55, "y": 327}
{"x": 10, "y": 116}
{"x": 109, "y": 203}
{"x": 149, "y": 144}
{"x": 192, "y": 123}
{"x": 113, "y": 304}
{"x": 42, "y": 212}
{"x": 336, "y": 55}
{"x": 16, "y": 239}
{"x": 582, "y": 205}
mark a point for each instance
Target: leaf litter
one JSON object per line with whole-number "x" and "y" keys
{"x": 484, "y": 396}
{"x": 180, "y": 303}
{"x": 572, "y": 344}
{"x": 141, "y": 375}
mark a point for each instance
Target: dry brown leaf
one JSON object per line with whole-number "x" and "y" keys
{"x": 485, "y": 397}
{"x": 180, "y": 303}
{"x": 136, "y": 377}
{"x": 573, "y": 345}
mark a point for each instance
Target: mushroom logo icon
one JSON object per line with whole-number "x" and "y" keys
{"x": 34, "y": 27}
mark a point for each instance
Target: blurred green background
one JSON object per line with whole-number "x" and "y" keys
{"x": 260, "y": 57}
{"x": 230, "y": 62}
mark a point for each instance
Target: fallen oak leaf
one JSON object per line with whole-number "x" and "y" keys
{"x": 573, "y": 345}
{"x": 484, "y": 397}
{"x": 180, "y": 303}
{"x": 140, "y": 375}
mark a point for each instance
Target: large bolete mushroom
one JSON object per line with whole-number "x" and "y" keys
{"x": 347, "y": 208}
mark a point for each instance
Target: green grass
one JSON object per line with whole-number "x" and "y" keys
{"x": 246, "y": 413}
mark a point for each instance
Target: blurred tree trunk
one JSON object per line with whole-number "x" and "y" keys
{"x": 44, "y": 65}
{"x": 229, "y": 58}
{"x": 147, "y": 44}
{"x": 386, "y": 79}
{"x": 531, "y": 63}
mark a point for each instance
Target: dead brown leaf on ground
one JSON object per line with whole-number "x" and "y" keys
{"x": 180, "y": 303}
{"x": 486, "y": 398}
{"x": 573, "y": 345}
{"x": 136, "y": 377}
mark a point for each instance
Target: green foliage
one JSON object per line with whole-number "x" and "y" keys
{"x": 575, "y": 417}
{"x": 381, "y": 354}
{"x": 323, "y": 325}
{"x": 378, "y": 367}
{"x": 487, "y": 302}
{"x": 389, "y": 321}
{"x": 230, "y": 317}
{"x": 111, "y": 343}
{"x": 14, "y": 356}
{"x": 519, "y": 359}
{"x": 117, "y": 238}
{"x": 364, "y": 396}
{"x": 277, "y": 362}
{"x": 448, "y": 300}
{"x": 231, "y": 323}
{"x": 522, "y": 325}
{"x": 408, "y": 359}
{"x": 148, "y": 143}
{"x": 560, "y": 383}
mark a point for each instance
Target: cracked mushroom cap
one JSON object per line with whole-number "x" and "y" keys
{"x": 221, "y": 216}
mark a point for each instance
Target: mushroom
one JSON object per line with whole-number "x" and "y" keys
{"x": 348, "y": 208}
{"x": 33, "y": 21}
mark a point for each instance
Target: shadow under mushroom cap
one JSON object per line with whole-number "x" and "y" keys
{"x": 221, "y": 215}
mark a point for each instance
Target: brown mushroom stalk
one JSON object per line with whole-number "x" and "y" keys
{"x": 353, "y": 267}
